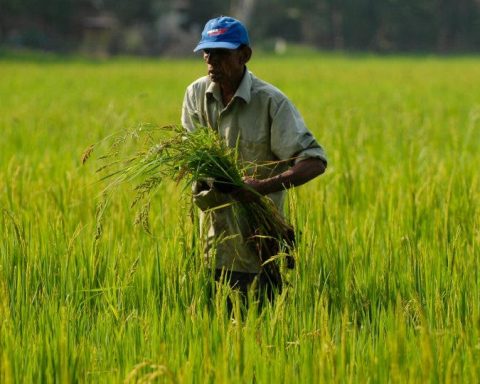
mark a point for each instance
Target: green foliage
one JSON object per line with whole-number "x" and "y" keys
{"x": 383, "y": 26}
{"x": 386, "y": 287}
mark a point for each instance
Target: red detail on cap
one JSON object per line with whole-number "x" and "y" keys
{"x": 217, "y": 31}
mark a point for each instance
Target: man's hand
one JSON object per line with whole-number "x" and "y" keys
{"x": 251, "y": 191}
{"x": 207, "y": 197}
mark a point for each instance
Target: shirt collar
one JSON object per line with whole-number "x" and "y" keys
{"x": 244, "y": 90}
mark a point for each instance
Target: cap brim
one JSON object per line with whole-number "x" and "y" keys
{"x": 216, "y": 44}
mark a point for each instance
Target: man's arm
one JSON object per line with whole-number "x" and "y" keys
{"x": 298, "y": 174}
{"x": 190, "y": 119}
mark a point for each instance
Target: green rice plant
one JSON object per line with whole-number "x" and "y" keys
{"x": 386, "y": 287}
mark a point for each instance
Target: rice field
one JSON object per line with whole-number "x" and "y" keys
{"x": 387, "y": 284}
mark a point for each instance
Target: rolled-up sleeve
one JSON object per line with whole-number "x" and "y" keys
{"x": 290, "y": 138}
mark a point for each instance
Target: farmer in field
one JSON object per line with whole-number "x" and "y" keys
{"x": 268, "y": 132}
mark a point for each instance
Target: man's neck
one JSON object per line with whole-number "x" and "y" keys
{"x": 229, "y": 89}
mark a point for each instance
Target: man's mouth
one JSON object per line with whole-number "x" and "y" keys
{"x": 214, "y": 74}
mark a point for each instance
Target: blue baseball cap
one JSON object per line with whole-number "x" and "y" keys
{"x": 223, "y": 32}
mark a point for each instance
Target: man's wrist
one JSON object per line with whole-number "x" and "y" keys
{"x": 272, "y": 185}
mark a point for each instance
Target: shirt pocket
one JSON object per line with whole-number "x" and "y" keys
{"x": 254, "y": 150}
{"x": 256, "y": 156}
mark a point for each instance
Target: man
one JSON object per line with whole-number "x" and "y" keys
{"x": 267, "y": 130}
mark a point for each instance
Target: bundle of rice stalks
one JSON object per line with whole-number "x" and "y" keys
{"x": 171, "y": 153}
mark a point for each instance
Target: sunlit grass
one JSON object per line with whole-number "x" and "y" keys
{"x": 387, "y": 283}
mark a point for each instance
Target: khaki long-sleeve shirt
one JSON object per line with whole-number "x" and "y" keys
{"x": 268, "y": 131}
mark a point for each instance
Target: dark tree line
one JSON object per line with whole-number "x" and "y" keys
{"x": 158, "y": 25}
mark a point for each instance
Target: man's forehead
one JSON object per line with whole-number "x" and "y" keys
{"x": 219, "y": 50}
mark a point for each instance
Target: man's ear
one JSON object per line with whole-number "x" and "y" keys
{"x": 245, "y": 54}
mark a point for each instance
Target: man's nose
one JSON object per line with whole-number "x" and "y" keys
{"x": 210, "y": 57}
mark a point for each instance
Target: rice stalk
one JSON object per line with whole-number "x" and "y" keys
{"x": 169, "y": 152}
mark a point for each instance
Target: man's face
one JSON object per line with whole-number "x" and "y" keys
{"x": 224, "y": 65}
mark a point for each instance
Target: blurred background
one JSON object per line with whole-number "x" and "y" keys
{"x": 104, "y": 28}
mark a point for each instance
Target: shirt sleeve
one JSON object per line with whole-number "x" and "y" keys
{"x": 290, "y": 138}
{"x": 190, "y": 115}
